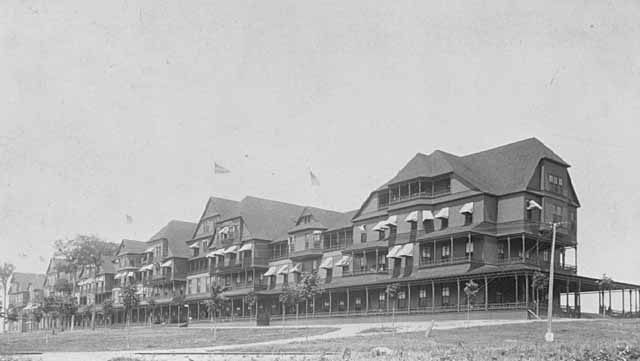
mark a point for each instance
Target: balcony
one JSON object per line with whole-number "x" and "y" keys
{"x": 357, "y": 247}
{"x": 381, "y": 270}
{"x": 545, "y": 265}
{"x": 443, "y": 261}
{"x": 424, "y": 195}
{"x": 311, "y": 252}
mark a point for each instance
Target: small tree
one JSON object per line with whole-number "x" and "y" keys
{"x": 392, "y": 294}
{"x": 130, "y": 299}
{"x": 152, "y": 307}
{"x": 540, "y": 281}
{"x": 471, "y": 289}
{"x": 214, "y": 304}
{"x": 6, "y": 271}
{"x": 252, "y": 301}
{"x": 107, "y": 311}
{"x": 306, "y": 290}
{"x": 287, "y": 297}
{"x": 178, "y": 301}
{"x": 606, "y": 283}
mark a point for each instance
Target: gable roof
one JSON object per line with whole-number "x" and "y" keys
{"x": 268, "y": 219}
{"x": 501, "y": 170}
{"x": 21, "y": 281}
{"x": 130, "y": 246}
{"x": 324, "y": 219}
{"x": 176, "y": 233}
{"x": 217, "y": 206}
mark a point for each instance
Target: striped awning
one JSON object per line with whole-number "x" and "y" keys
{"x": 232, "y": 249}
{"x": 391, "y": 221}
{"x": 169, "y": 263}
{"x": 443, "y": 213}
{"x": 427, "y": 215}
{"x": 344, "y": 261}
{"x": 246, "y": 247}
{"x": 412, "y": 217}
{"x": 283, "y": 269}
{"x": 271, "y": 271}
{"x": 467, "y": 208}
{"x": 296, "y": 269}
{"x": 327, "y": 263}
{"x": 393, "y": 252}
{"x": 533, "y": 204}
{"x": 381, "y": 226}
{"x": 406, "y": 251}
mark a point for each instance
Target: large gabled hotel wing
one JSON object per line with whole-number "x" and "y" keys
{"x": 440, "y": 222}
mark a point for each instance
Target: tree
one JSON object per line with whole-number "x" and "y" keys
{"x": 606, "y": 283}
{"x": 214, "y": 304}
{"x": 152, "y": 306}
{"x": 392, "y": 294}
{"x": 288, "y": 296}
{"x": 130, "y": 300}
{"x": 252, "y": 301}
{"x": 306, "y": 290}
{"x": 86, "y": 251}
{"x": 6, "y": 271}
{"x": 107, "y": 310}
{"x": 178, "y": 301}
{"x": 540, "y": 281}
{"x": 471, "y": 289}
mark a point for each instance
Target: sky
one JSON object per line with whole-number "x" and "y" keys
{"x": 120, "y": 107}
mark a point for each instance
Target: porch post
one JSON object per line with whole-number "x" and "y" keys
{"x": 198, "y": 311}
{"x": 486, "y": 293}
{"x": 458, "y": 293}
{"x": 469, "y": 244}
{"x": 330, "y": 303}
{"x": 242, "y": 306}
{"x": 622, "y": 301}
{"x": 526, "y": 290}
{"x": 434, "y": 251}
{"x": 451, "y": 253}
{"x": 377, "y": 260}
{"x": 567, "y": 295}
{"x": 347, "y": 300}
{"x": 313, "y": 306}
{"x": 366, "y": 300}
{"x": 232, "y": 309}
{"x": 408, "y": 298}
{"x": 524, "y": 248}
{"x": 516, "y": 289}
{"x": 509, "y": 249}
{"x": 433, "y": 296}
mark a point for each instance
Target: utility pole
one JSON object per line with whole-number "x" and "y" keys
{"x": 549, "y": 335}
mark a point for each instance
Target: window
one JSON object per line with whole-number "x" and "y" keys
{"x": 444, "y": 223}
{"x": 442, "y": 186}
{"x": 414, "y": 188}
{"x": 380, "y": 235}
{"x": 196, "y": 252}
{"x": 358, "y": 301}
{"x": 363, "y": 238}
{"x": 426, "y": 187}
{"x": 445, "y": 296}
{"x": 306, "y": 240}
{"x": 197, "y": 285}
{"x": 394, "y": 193}
{"x": 414, "y": 227}
{"x": 545, "y": 255}
{"x": 557, "y": 213}
{"x": 383, "y": 199}
{"x": 556, "y": 183}
{"x": 428, "y": 225}
{"x": 425, "y": 253}
{"x": 468, "y": 218}
{"x": 469, "y": 248}
{"x": 285, "y": 278}
{"x": 381, "y": 296}
{"x": 404, "y": 190}
{"x": 446, "y": 251}
{"x": 501, "y": 249}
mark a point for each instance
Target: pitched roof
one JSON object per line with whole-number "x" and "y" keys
{"x": 176, "y": 233}
{"x": 130, "y": 246}
{"x": 499, "y": 170}
{"x": 268, "y": 219}
{"x": 324, "y": 218}
{"x": 220, "y": 206}
{"x": 21, "y": 281}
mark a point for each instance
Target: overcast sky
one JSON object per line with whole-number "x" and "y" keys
{"x": 121, "y": 107}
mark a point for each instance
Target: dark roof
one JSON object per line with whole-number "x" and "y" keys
{"x": 21, "y": 281}
{"x": 268, "y": 219}
{"x": 130, "y": 246}
{"x": 216, "y": 206}
{"x": 176, "y": 233}
{"x": 324, "y": 219}
{"x": 502, "y": 170}
{"x": 107, "y": 265}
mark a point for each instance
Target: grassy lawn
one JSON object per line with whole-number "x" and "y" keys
{"x": 142, "y": 338}
{"x": 508, "y": 342}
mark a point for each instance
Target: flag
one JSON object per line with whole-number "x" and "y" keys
{"x": 128, "y": 218}
{"x": 218, "y": 169}
{"x": 314, "y": 179}
{"x": 42, "y": 259}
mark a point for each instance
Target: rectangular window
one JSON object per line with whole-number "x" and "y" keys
{"x": 501, "y": 249}
{"x": 446, "y": 251}
{"x": 363, "y": 238}
{"x": 423, "y": 293}
{"x": 414, "y": 188}
{"x": 469, "y": 247}
{"x": 428, "y": 225}
{"x": 445, "y": 292}
{"x": 394, "y": 193}
{"x": 468, "y": 218}
{"x": 306, "y": 240}
{"x": 444, "y": 223}
{"x": 545, "y": 255}
{"x": 382, "y": 296}
{"x": 198, "y": 285}
{"x": 404, "y": 190}
{"x": 383, "y": 199}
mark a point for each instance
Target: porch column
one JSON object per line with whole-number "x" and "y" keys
{"x": 347, "y": 300}
{"x": 567, "y": 295}
{"x": 524, "y": 248}
{"x": 433, "y": 296}
{"x": 509, "y": 249}
{"x": 364, "y": 256}
{"x": 330, "y": 303}
{"x": 434, "y": 251}
{"x": 537, "y": 251}
{"x": 243, "y": 306}
{"x": 377, "y": 260}
{"x": 458, "y": 284}
{"x": 353, "y": 263}
{"x": 408, "y": 298}
{"x": 451, "y": 253}
{"x": 198, "y": 311}
{"x": 232, "y": 309}
{"x": 366, "y": 300}
{"x": 313, "y": 306}
{"x": 622, "y": 293}
{"x": 630, "y": 303}
{"x": 469, "y": 244}
{"x": 486, "y": 293}
{"x": 516, "y": 277}
{"x": 526, "y": 290}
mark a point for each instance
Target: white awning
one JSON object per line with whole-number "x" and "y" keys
{"x": 412, "y": 217}
{"x": 224, "y": 230}
{"x": 344, "y": 261}
{"x": 146, "y": 268}
{"x": 169, "y": 263}
{"x": 362, "y": 228}
{"x": 100, "y": 278}
{"x": 131, "y": 274}
{"x": 246, "y": 247}
{"x": 391, "y": 221}
{"x": 119, "y": 275}
{"x": 406, "y": 251}
{"x": 467, "y": 208}
{"x": 232, "y": 249}
{"x": 149, "y": 250}
{"x": 533, "y": 204}
{"x": 283, "y": 269}
{"x": 427, "y": 216}
{"x": 297, "y": 268}
{"x": 327, "y": 263}
{"x": 393, "y": 252}
{"x": 443, "y": 213}
{"x": 271, "y": 271}
{"x": 195, "y": 245}
{"x": 217, "y": 252}
{"x": 381, "y": 226}
{"x": 317, "y": 232}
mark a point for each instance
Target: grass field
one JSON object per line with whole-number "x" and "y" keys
{"x": 574, "y": 341}
{"x": 142, "y": 339}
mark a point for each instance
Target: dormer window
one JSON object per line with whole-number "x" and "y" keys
{"x": 556, "y": 184}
